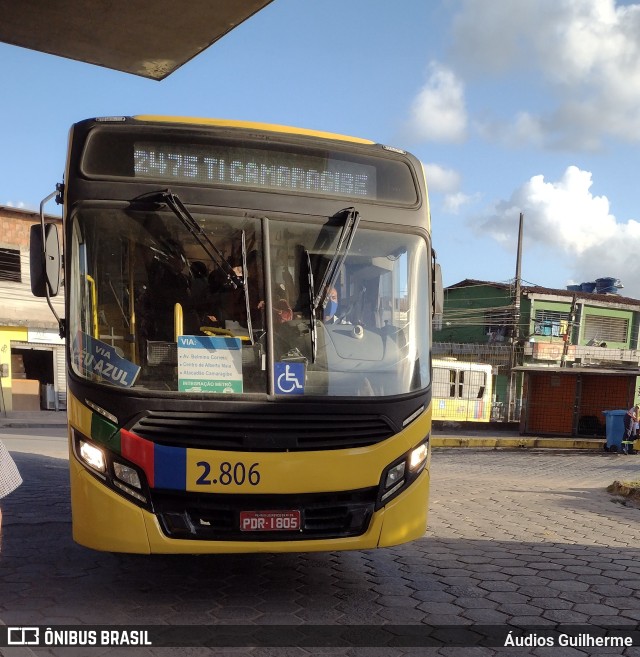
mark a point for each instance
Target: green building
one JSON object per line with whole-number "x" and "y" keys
{"x": 559, "y": 357}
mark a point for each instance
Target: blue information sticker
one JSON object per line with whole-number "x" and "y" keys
{"x": 100, "y": 359}
{"x": 289, "y": 378}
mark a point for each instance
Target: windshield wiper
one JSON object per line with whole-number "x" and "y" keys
{"x": 349, "y": 227}
{"x": 312, "y": 309}
{"x": 178, "y": 208}
{"x": 245, "y": 286}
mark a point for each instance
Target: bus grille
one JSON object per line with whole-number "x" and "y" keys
{"x": 262, "y": 432}
{"x": 217, "y": 517}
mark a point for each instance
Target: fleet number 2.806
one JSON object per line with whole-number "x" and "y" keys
{"x": 228, "y": 474}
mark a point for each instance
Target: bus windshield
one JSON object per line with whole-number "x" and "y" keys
{"x": 230, "y": 305}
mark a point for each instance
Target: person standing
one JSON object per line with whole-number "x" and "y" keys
{"x": 630, "y": 422}
{"x": 10, "y": 477}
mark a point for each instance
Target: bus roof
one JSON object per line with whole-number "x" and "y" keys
{"x": 455, "y": 364}
{"x": 250, "y": 125}
{"x": 150, "y": 38}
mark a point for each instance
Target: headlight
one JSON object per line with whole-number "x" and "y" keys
{"x": 120, "y": 476}
{"x": 93, "y": 456}
{"x": 418, "y": 457}
{"x": 126, "y": 474}
{"x": 128, "y": 480}
{"x": 394, "y": 475}
{"x": 402, "y": 473}
{"x": 394, "y": 480}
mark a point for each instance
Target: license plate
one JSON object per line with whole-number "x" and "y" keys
{"x": 270, "y": 521}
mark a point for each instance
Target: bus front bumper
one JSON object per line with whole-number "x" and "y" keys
{"x": 104, "y": 520}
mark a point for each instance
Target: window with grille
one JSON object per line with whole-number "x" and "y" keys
{"x": 476, "y": 384}
{"x": 443, "y": 382}
{"x": 550, "y": 322}
{"x": 458, "y": 384}
{"x": 10, "y": 265}
{"x": 608, "y": 329}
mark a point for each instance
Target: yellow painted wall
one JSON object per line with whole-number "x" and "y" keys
{"x": 7, "y": 334}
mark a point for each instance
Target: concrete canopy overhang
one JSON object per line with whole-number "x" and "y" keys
{"x": 150, "y": 38}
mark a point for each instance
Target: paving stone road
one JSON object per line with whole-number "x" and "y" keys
{"x": 516, "y": 538}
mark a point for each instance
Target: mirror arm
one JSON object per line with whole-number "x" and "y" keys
{"x": 61, "y": 322}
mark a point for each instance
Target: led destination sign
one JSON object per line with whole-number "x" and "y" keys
{"x": 124, "y": 154}
{"x": 249, "y": 167}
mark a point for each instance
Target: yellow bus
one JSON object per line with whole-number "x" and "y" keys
{"x": 248, "y": 329}
{"x": 462, "y": 392}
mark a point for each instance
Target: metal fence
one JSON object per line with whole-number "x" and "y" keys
{"x": 501, "y": 358}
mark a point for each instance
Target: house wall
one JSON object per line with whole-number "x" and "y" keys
{"x": 18, "y": 307}
{"x": 465, "y": 306}
{"x": 20, "y": 312}
{"x": 550, "y": 403}
{"x": 7, "y": 335}
{"x": 465, "y": 337}
{"x": 567, "y": 403}
{"x": 608, "y": 312}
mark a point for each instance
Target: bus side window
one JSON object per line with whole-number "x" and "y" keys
{"x": 477, "y": 384}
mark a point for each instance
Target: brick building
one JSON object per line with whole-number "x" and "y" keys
{"x": 32, "y": 367}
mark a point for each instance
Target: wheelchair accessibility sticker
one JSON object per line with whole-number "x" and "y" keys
{"x": 289, "y": 378}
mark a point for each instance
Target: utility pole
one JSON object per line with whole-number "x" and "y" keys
{"x": 568, "y": 335}
{"x": 515, "y": 333}
{"x": 518, "y": 282}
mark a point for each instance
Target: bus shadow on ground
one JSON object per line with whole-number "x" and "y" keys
{"x": 46, "y": 578}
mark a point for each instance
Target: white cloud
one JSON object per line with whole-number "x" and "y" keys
{"x": 438, "y": 112}
{"x": 447, "y": 181}
{"x": 20, "y": 204}
{"x": 586, "y": 53}
{"x": 525, "y": 130}
{"x": 570, "y": 223}
{"x": 453, "y": 202}
{"x": 441, "y": 179}
{"x": 489, "y": 35}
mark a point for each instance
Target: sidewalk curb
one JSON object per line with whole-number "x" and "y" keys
{"x": 32, "y": 425}
{"x": 494, "y": 442}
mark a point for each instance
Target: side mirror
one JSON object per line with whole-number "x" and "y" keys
{"x": 44, "y": 257}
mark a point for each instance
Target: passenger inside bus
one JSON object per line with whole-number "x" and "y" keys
{"x": 331, "y": 308}
{"x": 332, "y": 314}
{"x": 169, "y": 283}
{"x": 226, "y": 305}
{"x": 282, "y": 311}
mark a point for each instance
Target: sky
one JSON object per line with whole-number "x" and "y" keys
{"x": 525, "y": 106}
